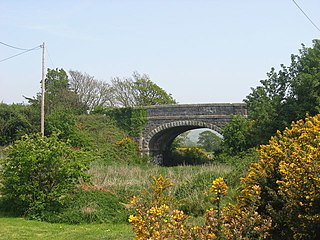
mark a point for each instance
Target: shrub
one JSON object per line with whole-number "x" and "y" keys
{"x": 288, "y": 175}
{"x": 156, "y": 217}
{"x": 38, "y": 173}
{"x": 187, "y": 156}
{"x": 92, "y": 206}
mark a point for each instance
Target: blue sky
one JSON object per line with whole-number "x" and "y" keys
{"x": 200, "y": 51}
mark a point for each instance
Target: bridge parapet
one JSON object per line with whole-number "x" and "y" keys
{"x": 191, "y": 110}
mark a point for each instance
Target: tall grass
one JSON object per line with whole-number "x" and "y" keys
{"x": 190, "y": 183}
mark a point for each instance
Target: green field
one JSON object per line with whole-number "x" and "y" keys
{"x": 19, "y": 228}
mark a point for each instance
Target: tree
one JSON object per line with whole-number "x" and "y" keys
{"x": 123, "y": 92}
{"x": 139, "y": 90}
{"x": 183, "y": 140}
{"x": 38, "y": 173}
{"x": 59, "y": 96}
{"x": 17, "y": 120}
{"x": 305, "y": 83}
{"x": 209, "y": 141}
{"x": 91, "y": 92}
{"x": 286, "y": 95}
{"x": 149, "y": 93}
{"x": 236, "y": 135}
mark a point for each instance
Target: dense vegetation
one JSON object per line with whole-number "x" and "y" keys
{"x": 285, "y": 96}
{"x": 86, "y": 167}
{"x": 278, "y": 198}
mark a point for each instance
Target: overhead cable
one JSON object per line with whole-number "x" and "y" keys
{"x": 8, "y": 45}
{"x": 28, "y": 50}
{"x": 306, "y": 16}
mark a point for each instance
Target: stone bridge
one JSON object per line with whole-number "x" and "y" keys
{"x": 166, "y": 122}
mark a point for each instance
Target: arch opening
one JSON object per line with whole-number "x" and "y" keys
{"x": 160, "y": 140}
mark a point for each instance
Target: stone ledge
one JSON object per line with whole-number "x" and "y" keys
{"x": 190, "y": 117}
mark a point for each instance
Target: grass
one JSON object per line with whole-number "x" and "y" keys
{"x": 189, "y": 182}
{"x": 19, "y": 228}
{"x": 123, "y": 180}
{"x": 122, "y": 176}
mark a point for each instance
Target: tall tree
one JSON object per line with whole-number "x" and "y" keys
{"x": 139, "y": 90}
{"x": 59, "y": 96}
{"x": 305, "y": 83}
{"x": 286, "y": 95}
{"x": 209, "y": 141}
{"x": 123, "y": 92}
{"x": 149, "y": 93}
{"x": 91, "y": 92}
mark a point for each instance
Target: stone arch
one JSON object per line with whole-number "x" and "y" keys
{"x": 159, "y": 139}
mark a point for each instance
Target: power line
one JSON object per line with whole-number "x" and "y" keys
{"x": 8, "y": 45}
{"x": 306, "y": 16}
{"x": 28, "y": 50}
{"x": 47, "y": 51}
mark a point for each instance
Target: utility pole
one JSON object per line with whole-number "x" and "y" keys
{"x": 43, "y": 90}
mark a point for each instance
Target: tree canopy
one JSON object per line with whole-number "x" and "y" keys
{"x": 139, "y": 90}
{"x": 285, "y": 96}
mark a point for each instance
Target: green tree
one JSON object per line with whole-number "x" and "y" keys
{"x": 38, "y": 173}
{"x": 149, "y": 93}
{"x": 209, "y": 141}
{"x": 17, "y": 120}
{"x": 236, "y": 135}
{"x": 286, "y": 95}
{"x": 183, "y": 140}
{"x": 138, "y": 90}
{"x": 305, "y": 83}
{"x": 59, "y": 95}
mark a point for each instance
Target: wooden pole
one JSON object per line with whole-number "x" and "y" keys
{"x": 42, "y": 91}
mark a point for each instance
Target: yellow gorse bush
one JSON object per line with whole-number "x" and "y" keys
{"x": 156, "y": 217}
{"x": 288, "y": 174}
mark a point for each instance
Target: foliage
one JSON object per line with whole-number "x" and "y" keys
{"x": 59, "y": 96}
{"x": 138, "y": 91}
{"x": 38, "y": 173}
{"x": 91, "y": 205}
{"x": 286, "y": 95}
{"x": 148, "y": 93}
{"x": 288, "y": 176}
{"x": 187, "y": 156}
{"x": 236, "y": 135}
{"x": 105, "y": 141}
{"x": 154, "y": 219}
{"x": 209, "y": 141}
{"x": 158, "y": 219}
{"x": 91, "y": 92}
{"x": 131, "y": 120}
{"x": 15, "y": 121}
{"x": 182, "y": 141}
{"x": 65, "y": 124}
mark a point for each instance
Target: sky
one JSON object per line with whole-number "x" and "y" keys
{"x": 200, "y": 51}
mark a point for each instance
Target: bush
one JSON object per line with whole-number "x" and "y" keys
{"x": 187, "y": 156}
{"x": 38, "y": 173}
{"x": 288, "y": 175}
{"x": 92, "y": 206}
{"x": 157, "y": 218}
